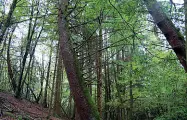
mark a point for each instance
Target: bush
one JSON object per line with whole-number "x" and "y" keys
{"x": 179, "y": 113}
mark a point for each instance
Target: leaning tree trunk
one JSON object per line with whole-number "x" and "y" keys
{"x": 7, "y": 22}
{"x": 83, "y": 105}
{"x": 31, "y": 31}
{"x": 10, "y": 71}
{"x": 173, "y": 36}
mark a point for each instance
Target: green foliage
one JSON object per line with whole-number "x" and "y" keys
{"x": 179, "y": 113}
{"x": 19, "y": 117}
{"x": 9, "y": 114}
{"x": 158, "y": 81}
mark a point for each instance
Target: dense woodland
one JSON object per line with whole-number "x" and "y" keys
{"x": 96, "y": 59}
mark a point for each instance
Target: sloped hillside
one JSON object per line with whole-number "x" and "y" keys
{"x": 16, "y": 109}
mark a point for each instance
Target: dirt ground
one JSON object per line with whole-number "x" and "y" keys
{"x": 21, "y": 109}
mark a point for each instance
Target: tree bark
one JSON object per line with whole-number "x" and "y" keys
{"x": 8, "y": 20}
{"x": 31, "y": 55}
{"x": 185, "y": 12}
{"x": 59, "y": 77}
{"x": 47, "y": 77}
{"x": 42, "y": 70}
{"x": 83, "y": 105}
{"x": 10, "y": 71}
{"x": 173, "y": 36}
{"x": 99, "y": 72}
{"x": 29, "y": 39}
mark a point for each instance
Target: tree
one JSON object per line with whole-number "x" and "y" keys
{"x": 99, "y": 70}
{"x": 173, "y": 36}
{"x": 59, "y": 78}
{"x": 7, "y": 23}
{"x": 112, "y": 61}
{"x": 10, "y": 71}
{"x": 31, "y": 31}
{"x": 48, "y": 77}
{"x": 83, "y": 105}
{"x": 185, "y": 13}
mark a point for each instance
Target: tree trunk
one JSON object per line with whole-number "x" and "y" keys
{"x": 131, "y": 100}
{"x": 41, "y": 80}
{"x": 52, "y": 101}
{"x": 47, "y": 77}
{"x": 83, "y": 105}
{"x": 8, "y": 20}
{"x": 29, "y": 39}
{"x": 99, "y": 74}
{"x": 173, "y": 36}
{"x": 185, "y": 10}
{"x": 59, "y": 77}
{"x": 31, "y": 56}
{"x": 10, "y": 71}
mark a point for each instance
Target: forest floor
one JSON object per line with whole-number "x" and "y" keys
{"x": 21, "y": 109}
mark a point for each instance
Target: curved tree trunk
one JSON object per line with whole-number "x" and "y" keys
{"x": 173, "y": 36}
